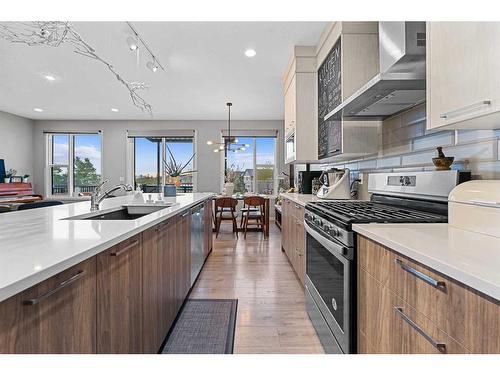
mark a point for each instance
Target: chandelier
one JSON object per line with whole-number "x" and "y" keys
{"x": 229, "y": 143}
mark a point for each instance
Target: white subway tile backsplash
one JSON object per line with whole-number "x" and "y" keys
{"x": 433, "y": 140}
{"x": 368, "y": 164}
{"x": 474, "y": 135}
{"x": 352, "y": 166}
{"x": 485, "y": 170}
{"x": 421, "y": 158}
{"x": 473, "y": 151}
{"x": 394, "y": 161}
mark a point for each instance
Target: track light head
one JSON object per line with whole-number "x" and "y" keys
{"x": 132, "y": 43}
{"x": 152, "y": 65}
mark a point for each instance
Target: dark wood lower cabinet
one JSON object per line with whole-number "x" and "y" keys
{"x": 208, "y": 237}
{"x": 57, "y": 315}
{"x": 123, "y": 300}
{"x": 119, "y": 298}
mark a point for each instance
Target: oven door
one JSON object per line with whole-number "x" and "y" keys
{"x": 331, "y": 284}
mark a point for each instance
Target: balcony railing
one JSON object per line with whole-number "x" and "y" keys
{"x": 87, "y": 189}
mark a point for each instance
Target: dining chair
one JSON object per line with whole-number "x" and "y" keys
{"x": 255, "y": 210}
{"x": 225, "y": 209}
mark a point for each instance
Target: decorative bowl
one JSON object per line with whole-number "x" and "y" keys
{"x": 442, "y": 162}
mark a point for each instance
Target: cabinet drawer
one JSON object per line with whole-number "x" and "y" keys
{"x": 55, "y": 316}
{"x": 467, "y": 316}
{"x": 389, "y": 325}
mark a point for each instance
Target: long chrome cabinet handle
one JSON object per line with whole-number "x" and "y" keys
{"x": 420, "y": 275}
{"x": 185, "y": 214}
{"x": 126, "y": 248}
{"x": 438, "y": 345}
{"x": 65, "y": 283}
{"x": 460, "y": 110}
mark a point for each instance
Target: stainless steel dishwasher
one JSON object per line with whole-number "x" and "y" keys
{"x": 197, "y": 229}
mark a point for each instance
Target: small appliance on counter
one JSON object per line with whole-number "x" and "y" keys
{"x": 335, "y": 184}
{"x": 475, "y": 206}
{"x": 305, "y": 181}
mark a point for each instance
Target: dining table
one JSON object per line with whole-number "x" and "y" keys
{"x": 240, "y": 197}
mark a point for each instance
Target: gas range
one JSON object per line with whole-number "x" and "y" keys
{"x": 335, "y": 218}
{"x": 411, "y": 197}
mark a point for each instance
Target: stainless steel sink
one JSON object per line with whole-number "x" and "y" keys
{"x": 122, "y": 214}
{"x": 125, "y": 212}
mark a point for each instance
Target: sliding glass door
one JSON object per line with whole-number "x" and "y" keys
{"x": 149, "y": 154}
{"x": 253, "y": 168}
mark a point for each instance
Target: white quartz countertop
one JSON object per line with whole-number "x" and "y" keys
{"x": 301, "y": 199}
{"x": 36, "y": 244}
{"x": 468, "y": 257}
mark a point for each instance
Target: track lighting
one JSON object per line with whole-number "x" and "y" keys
{"x": 151, "y": 65}
{"x": 132, "y": 43}
{"x": 210, "y": 143}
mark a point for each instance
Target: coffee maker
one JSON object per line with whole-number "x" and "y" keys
{"x": 305, "y": 180}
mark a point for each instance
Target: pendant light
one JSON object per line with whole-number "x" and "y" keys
{"x": 229, "y": 143}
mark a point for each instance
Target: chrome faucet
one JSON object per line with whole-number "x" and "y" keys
{"x": 97, "y": 195}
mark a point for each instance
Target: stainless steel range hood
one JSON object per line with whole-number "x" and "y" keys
{"x": 401, "y": 81}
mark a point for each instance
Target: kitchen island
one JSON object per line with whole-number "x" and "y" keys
{"x": 74, "y": 284}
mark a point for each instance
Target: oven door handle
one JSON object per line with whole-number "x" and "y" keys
{"x": 333, "y": 247}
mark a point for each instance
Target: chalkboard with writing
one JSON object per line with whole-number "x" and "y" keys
{"x": 329, "y": 86}
{"x": 329, "y": 97}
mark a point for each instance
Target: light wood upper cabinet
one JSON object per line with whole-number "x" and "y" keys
{"x": 463, "y": 75}
{"x": 55, "y": 316}
{"x": 300, "y": 125}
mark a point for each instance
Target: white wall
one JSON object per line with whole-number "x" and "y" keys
{"x": 115, "y": 146}
{"x": 17, "y": 143}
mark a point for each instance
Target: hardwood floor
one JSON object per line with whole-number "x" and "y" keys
{"x": 271, "y": 310}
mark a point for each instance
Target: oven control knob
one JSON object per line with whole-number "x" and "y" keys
{"x": 334, "y": 232}
{"x": 317, "y": 221}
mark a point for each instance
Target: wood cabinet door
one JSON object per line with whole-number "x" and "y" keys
{"x": 186, "y": 256}
{"x": 157, "y": 309}
{"x": 463, "y": 71}
{"x": 57, "y": 315}
{"x": 208, "y": 235}
{"x": 168, "y": 305}
{"x": 301, "y": 252}
{"x": 119, "y": 298}
{"x": 284, "y": 224}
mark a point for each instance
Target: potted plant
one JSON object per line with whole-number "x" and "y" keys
{"x": 8, "y": 175}
{"x": 25, "y": 178}
{"x": 174, "y": 170}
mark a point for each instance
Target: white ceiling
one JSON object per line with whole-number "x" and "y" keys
{"x": 204, "y": 61}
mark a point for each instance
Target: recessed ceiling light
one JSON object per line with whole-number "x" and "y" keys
{"x": 37, "y": 109}
{"x": 49, "y": 77}
{"x": 114, "y": 109}
{"x": 250, "y": 52}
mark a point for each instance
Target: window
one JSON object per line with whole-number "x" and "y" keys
{"x": 149, "y": 153}
{"x": 254, "y": 168}
{"x": 74, "y": 163}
